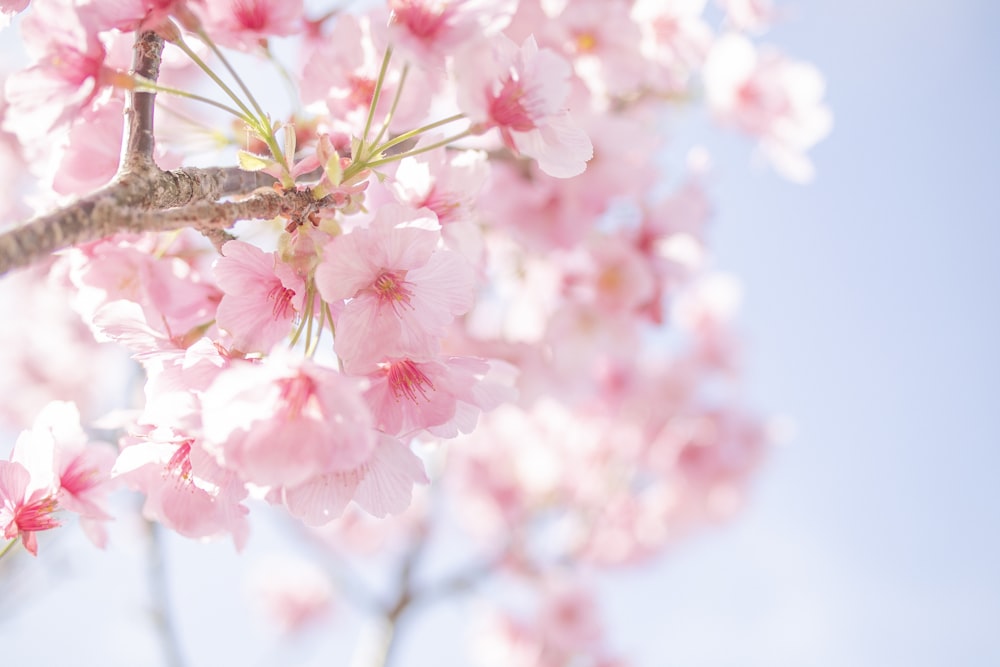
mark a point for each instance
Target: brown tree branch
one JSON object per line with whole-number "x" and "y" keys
{"x": 143, "y": 197}
{"x": 108, "y": 212}
{"x": 137, "y": 155}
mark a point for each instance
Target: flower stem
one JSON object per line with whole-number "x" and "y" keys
{"x": 8, "y": 547}
{"x": 158, "y": 590}
{"x": 232, "y": 71}
{"x": 406, "y": 136}
{"x": 392, "y": 112}
{"x": 182, "y": 45}
{"x": 379, "y": 82}
{"x": 145, "y": 85}
{"x": 418, "y": 151}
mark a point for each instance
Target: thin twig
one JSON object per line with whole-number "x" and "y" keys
{"x": 160, "y": 598}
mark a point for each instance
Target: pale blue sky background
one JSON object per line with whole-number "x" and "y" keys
{"x": 871, "y": 317}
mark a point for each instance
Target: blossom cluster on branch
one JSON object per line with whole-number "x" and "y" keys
{"x": 451, "y": 258}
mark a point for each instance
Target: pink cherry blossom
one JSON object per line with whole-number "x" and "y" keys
{"x": 749, "y": 15}
{"x": 61, "y": 457}
{"x": 523, "y": 92}
{"x": 261, "y": 296}
{"x": 291, "y": 592}
{"x": 447, "y": 184}
{"x": 601, "y": 41}
{"x": 244, "y": 23}
{"x": 54, "y": 359}
{"x": 67, "y": 76}
{"x": 8, "y": 8}
{"x": 92, "y": 151}
{"x": 403, "y": 289}
{"x": 341, "y": 69}
{"x": 770, "y": 97}
{"x": 382, "y": 485}
{"x": 24, "y": 510}
{"x": 430, "y": 30}
{"x": 675, "y": 39}
{"x": 285, "y": 420}
{"x": 159, "y": 272}
{"x": 443, "y": 396}
{"x": 185, "y": 489}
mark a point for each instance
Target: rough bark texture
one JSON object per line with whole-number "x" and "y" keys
{"x": 143, "y": 197}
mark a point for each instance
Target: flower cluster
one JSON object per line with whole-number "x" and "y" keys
{"x": 489, "y": 253}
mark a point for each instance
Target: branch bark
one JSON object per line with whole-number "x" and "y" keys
{"x": 142, "y": 197}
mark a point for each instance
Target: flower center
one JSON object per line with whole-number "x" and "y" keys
{"x": 282, "y": 297}
{"x": 423, "y": 19}
{"x": 406, "y": 379}
{"x": 507, "y": 107}
{"x": 295, "y": 393}
{"x": 392, "y": 289}
{"x": 32, "y": 517}
{"x": 180, "y": 463}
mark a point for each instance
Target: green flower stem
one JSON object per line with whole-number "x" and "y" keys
{"x": 310, "y": 343}
{"x": 418, "y": 151}
{"x": 392, "y": 112}
{"x": 145, "y": 85}
{"x": 406, "y": 136}
{"x": 375, "y": 97}
{"x": 8, "y": 547}
{"x": 262, "y": 124}
{"x": 286, "y": 77}
{"x": 306, "y": 317}
{"x": 182, "y": 45}
{"x": 232, "y": 71}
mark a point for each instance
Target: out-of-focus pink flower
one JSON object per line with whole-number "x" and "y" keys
{"x": 430, "y": 30}
{"x": 261, "y": 296}
{"x": 284, "y": 421}
{"x": 131, "y": 15}
{"x": 749, "y": 15}
{"x": 447, "y": 184}
{"x": 341, "y": 69}
{"x": 522, "y": 91}
{"x": 245, "y": 23}
{"x": 770, "y": 97}
{"x": 158, "y": 272}
{"x": 93, "y": 147}
{"x": 403, "y": 290}
{"x": 291, "y": 592}
{"x": 675, "y": 38}
{"x": 8, "y": 8}
{"x": 69, "y": 72}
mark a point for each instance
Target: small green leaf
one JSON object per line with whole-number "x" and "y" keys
{"x": 251, "y": 162}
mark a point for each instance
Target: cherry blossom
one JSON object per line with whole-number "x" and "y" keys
{"x": 60, "y": 457}
{"x": 314, "y": 414}
{"x": 261, "y": 296}
{"x": 523, "y": 91}
{"x": 771, "y": 97}
{"x": 185, "y": 489}
{"x": 381, "y": 486}
{"x": 24, "y": 511}
{"x": 455, "y": 294}
{"x": 244, "y": 23}
{"x": 403, "y": 289}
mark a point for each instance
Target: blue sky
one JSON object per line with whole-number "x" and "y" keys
{"x": 871, "y": 318}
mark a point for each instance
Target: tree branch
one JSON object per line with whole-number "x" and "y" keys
{"x": 137, "y": 155}
{"x": 143, "y": 197}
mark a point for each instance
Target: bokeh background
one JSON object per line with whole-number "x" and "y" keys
{"x": 871, "y": 319}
